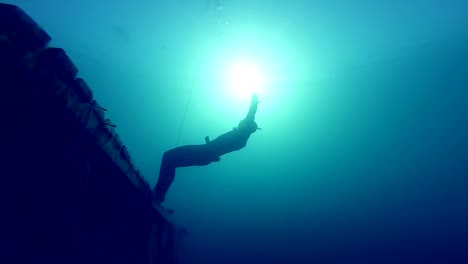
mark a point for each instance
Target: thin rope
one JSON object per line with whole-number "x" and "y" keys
{"x": 189, "y": 100}
{"x": 220, "y": 18}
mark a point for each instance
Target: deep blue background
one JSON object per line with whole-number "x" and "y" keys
{"x": 363, "y": 156}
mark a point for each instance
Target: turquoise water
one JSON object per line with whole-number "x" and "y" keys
{"x": 363, "y": 156}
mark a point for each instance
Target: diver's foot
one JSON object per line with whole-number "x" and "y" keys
{"x": 156, "y": 202}
{"x": 156, "y": 199}
{"x": 157, "y": 210}
{"x": 170, "y": 211}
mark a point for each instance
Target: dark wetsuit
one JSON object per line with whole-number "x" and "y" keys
{"x": 201, "y": 155}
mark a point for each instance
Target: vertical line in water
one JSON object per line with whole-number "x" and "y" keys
{"x": 184, "y": 115}
{"x": 219, "y": 12}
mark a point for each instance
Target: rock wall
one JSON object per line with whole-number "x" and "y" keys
{"x": 71, "y": 191}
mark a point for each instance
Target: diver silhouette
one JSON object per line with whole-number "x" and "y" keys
{"x": 201, "y": 155}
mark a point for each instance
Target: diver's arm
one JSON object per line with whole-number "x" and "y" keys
{"x": 253, "y": 108}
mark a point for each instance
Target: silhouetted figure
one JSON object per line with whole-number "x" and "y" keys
{"x": 201, "y": 155}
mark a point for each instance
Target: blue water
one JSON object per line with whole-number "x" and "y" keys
{"x": 363, "y": 156}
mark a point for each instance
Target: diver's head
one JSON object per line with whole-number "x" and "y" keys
{"x": 248, "y": 126}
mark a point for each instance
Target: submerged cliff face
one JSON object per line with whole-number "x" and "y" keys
{"x": 71, "y": 191}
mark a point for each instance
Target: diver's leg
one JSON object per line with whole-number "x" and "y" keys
{"x": 184, "y": 156}
{"x": 166, "y": 177}
{"x": 191, "y": 155}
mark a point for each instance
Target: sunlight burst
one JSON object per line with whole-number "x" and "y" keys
{"x": 245, "y": 78}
